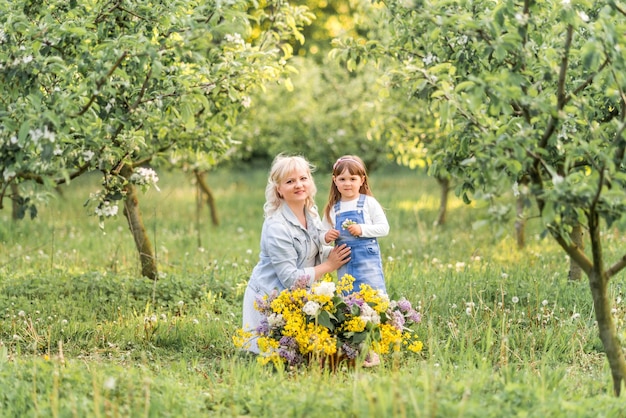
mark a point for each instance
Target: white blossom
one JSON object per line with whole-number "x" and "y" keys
{"x": 368, "y": 314}
{"x": 516, "y": 189}
{"x": 109, "y": 383}
{"x": 88, "y": 155}
{"x": 275, "y": 320}
{"x": 311, "y": 308}
{"x": 145, "y": 177}
{"x": 106, "y": 209}
{"x": 324, "y": 289}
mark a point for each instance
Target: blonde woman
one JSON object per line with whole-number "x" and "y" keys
{"x": 291, "y": 249}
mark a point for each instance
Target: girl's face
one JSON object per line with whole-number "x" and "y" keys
{"x": 295, "y": 188}
{"x": 348, "y": 184}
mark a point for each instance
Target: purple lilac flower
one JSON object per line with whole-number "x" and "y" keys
{"x": 263, "y": 328}
{"x": 397, "y": 320}
{"x": 352, "y": 300}
{"x": 288, "y": 342}
{"x": 350, "y": 351}
{"x": 291, "y": 357}
{"x": 262, "y": 305}
{"x": 301, "y": 282}
{"x": 405, "y": 305}
{"x": 415, "y": 317}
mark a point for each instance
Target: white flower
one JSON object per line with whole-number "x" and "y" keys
{"x": 275, "y": 320}
{"x": 430, "y": 58}
{"x": 324, "y": 289}
{"x": 544, "y": 302}
{"x": 514, "y": 299}
{"x": 8, "y": 174}
{"x": 311, "y": 308}
{"x": 556, "y": 179}
{"x": 145, "y": 177}
{"x": 88, "y": 155}
{"x": 368, "y": 314}
{"x": 347, "y": 223}
{"x": 109, "y": 383}
{"x": 106, "y": 209}
{"x": 234, "y": 38}
{"x": 516, "y": 189}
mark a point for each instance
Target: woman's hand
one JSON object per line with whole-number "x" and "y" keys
{"x": 338, "y": 256}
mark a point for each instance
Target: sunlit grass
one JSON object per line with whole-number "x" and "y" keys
{"x": 83, "y": 334}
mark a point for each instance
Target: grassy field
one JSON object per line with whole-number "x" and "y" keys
{"x": 82, "y": 334}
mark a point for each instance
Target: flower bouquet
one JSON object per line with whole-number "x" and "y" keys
{"x": 330, "y": 322}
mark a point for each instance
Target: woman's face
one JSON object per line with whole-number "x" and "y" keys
{"x": 295, "y": 188}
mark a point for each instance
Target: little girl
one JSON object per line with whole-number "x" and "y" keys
{"x": 354, "y": 217}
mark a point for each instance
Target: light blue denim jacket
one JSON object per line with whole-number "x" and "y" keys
{"x": 285, "y": 245}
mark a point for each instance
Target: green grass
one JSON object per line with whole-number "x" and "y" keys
{"x": 82, "y": 334}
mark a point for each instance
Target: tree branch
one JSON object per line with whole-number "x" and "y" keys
{"x": 560, "y": 89}
{"x": 587, "y": 81}
{"x": 101, "y": 82}
{"x": 616, "y": 268}
{"x": 39, "y": 179}
{"x": 573, "y": 251}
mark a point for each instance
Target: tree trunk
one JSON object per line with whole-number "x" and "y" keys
{"x": 15, "y": 199}
{"x": 137, "y": 228}
{"x": 598, "y": 283}
{"x": 204, "y": 187}
{"x": 575, "y": 271}
{"x": 520, "y": 222}
{"x": 608, "y": 334}
{"x": 444, "y": 185}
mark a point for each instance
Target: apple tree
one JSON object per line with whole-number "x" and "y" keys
{"x": 533, "y": 94}
{"x": 112, "y": 86}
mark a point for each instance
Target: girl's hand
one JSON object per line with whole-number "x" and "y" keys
{"x": 355, "y": 230}
{"x": 331, "y": 235}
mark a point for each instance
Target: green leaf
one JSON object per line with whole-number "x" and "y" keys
{"x": 324, "y": 319}
{"x": 359, "y": 337}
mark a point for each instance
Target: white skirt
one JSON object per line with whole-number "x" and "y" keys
{"x": 251, "y": 318}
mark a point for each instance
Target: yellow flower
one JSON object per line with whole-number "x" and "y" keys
{"x": 415, "y": 346}
{"x": 354, "y": 324}
{"x": 241, "y": 339}
{"x": 345, "y": 284}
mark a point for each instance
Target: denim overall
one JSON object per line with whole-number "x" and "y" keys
{"x": 365, "y": 264}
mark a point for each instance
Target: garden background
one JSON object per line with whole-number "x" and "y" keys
{"x": 83, "y": 334}
{"x": 135, "y": 139}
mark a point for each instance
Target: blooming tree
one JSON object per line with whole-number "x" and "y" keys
{"x": 533, "y": 94}
{"x": 111, "y": 86}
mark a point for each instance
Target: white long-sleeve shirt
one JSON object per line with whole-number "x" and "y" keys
{"x": 376, "y": 224}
